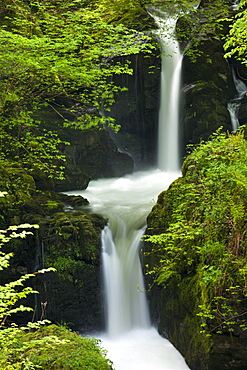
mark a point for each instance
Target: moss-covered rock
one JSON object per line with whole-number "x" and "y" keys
{"x": 14, "y": 179}
{"x": 68, "y": 241}
{"x": 198, "y": 256}
{"x": 205, "y": 111}
{"x": 71, "y": 244}
{"x": 53, "y": 347}
{"x": 76, "y": 234}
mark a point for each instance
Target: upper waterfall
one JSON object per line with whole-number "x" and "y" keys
{"x": 168, "y": 133}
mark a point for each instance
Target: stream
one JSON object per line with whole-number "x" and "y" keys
{"x": 132, "y": 343}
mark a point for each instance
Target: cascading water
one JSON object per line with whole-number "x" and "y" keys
{"x": 126, "y": 308}
{"x": 234, "y": 105}
{"x": 131, "y": 342}
{"x": 168, "y": 145}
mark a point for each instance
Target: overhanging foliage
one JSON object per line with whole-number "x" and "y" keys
{"x": 58, "y": 55}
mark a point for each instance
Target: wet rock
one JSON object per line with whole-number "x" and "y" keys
{"x": 207, "y": 80}
{"x": 68, "y": 241}
{"x": 137, "y": 110}
{"x": 205, "y": 110}
{"x": 71, "y": 244}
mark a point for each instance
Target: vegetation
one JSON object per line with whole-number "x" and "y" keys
{"x": 60, "y": 56}
{"x": 236, "y": 40}
{"x": 210, "y": 19}
{"x": 36, "y": 346}
{"x": 55, "y": 57}
{"x": 50, "y": 347}
{"x": 198, "y": 231}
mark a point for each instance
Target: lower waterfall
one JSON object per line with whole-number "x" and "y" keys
{"x": 131, "y": 342}
{"x": 125, "y": 307}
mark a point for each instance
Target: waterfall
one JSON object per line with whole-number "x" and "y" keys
{"x": 125, "y": 301}
{"x": 168, "y": 144}
{"x": 131, "y": 342}
{"x": 234, "y": 105}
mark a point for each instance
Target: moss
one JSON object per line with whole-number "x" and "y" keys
{"x": 72, "y": 235}
{"x": 129, "y": 13}
{"x": 72, "y": 200}
{"x": 70, "y": 242}
{"x": 13, "y": 178}
{"x": 198, "y": 253}
{"x": 54, "y": 347}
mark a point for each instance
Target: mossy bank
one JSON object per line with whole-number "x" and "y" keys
{"x": 67, "y": 239}
{"x": 196, "y": 256}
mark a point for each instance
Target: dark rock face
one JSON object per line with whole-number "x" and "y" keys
{"x": 137, "y": 110}
{"x": 228, "y": 354}
{"x": 94, "y": 153}
{"x": 71, "y": 244}
{"x": 208, "y": 84}
{"x": 242, "y": 113}
{"x": 91, "y": 154}
{"x": 241, "y": 73}
{"x": 207, "y": 89}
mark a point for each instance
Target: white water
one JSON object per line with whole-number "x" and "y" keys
{"x": 125, "y": 302}
{"x": 143, "y": 350}
{"x": 168, "y": 145}
{"x": 234, "y": 105}
{"x": 130, "y": 340}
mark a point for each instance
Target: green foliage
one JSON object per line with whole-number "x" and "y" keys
{"x": 210, "y": 19}
{"x": 35, "y": 150}
{"x": 203, "y": 215}
{"x": 213, "y": 18}
{"x": 59, "y": 56}
{"x": 35, "y": 346}
{"x": 128, "y": 12}
{"x": 51, "y": 347}
{"x": 10, "y": 293}
{"x": 236, "y": 40}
